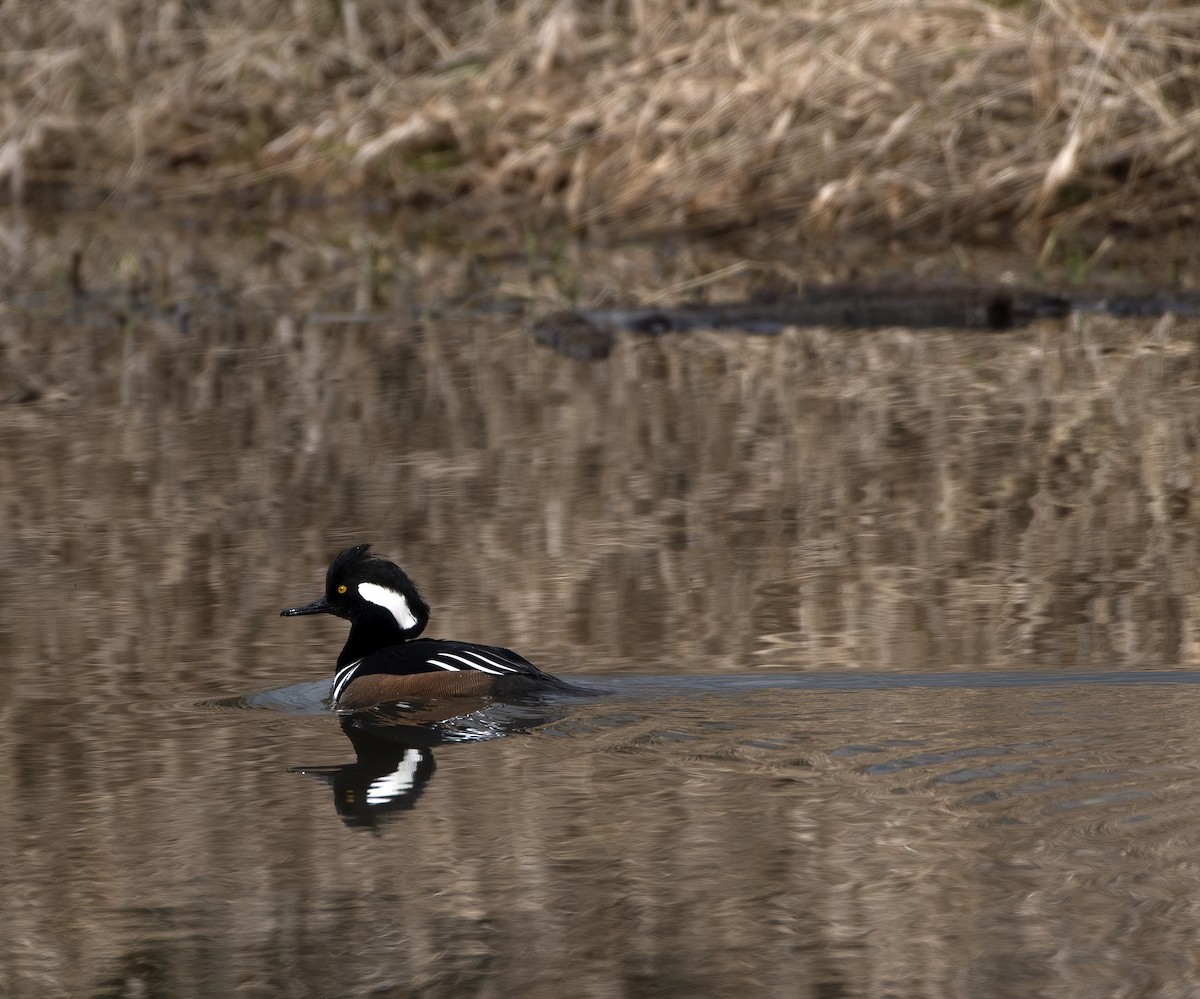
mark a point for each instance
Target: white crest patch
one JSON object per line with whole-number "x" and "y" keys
{"x": 401, "y": 779}
{"x": 391, "y": 601}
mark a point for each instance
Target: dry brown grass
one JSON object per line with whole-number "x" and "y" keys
{"x": 956, "y": 118}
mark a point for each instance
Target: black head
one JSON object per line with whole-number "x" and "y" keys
{"x": 370, "y": 592}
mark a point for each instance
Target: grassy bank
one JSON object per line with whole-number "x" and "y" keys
{"x": 955, "y": 119}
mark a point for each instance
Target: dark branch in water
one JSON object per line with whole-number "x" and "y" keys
{"x": 590, "y": 334}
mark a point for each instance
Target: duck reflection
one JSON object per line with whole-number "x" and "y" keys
{"x": 393, "y": 747}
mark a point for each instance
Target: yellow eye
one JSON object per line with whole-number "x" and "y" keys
{"x": 342, "y": 588}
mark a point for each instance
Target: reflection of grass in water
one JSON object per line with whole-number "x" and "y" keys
{"x": 701, "y": 503}
{"x": 956, "y": 119}
{"x": 694, "y": 505}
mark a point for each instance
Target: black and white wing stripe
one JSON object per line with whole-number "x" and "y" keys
{"x": 341, "y": 678}
{"x": 485, "y": 659}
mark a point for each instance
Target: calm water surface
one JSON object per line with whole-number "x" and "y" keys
{"x": 899, "y": 633}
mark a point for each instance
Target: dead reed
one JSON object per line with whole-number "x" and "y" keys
{"x": 957, "y": 118}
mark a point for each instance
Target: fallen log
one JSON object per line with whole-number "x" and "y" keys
{"x": 590, "y": 334}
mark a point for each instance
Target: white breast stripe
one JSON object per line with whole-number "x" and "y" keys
{"x": 491, "y": 662}
{"x": 341, "y": 678}
{"x": 471, "y": 665}
{"x": 401, "y": 779}
{"x": 389, "y": 600}
{"x": 434, "y": 662}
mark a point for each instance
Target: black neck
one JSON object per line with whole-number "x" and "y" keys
{"x": 367, "y": 637}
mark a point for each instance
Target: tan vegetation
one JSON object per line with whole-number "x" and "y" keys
{"x": 959, "y": 118}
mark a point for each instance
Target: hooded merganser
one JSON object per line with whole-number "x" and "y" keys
{"x": 383, "y": 659}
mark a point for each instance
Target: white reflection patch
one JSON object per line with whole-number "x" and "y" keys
{"x": 393, "y": 785}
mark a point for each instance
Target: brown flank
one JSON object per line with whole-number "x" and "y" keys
{"x": 384, "y": 688}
